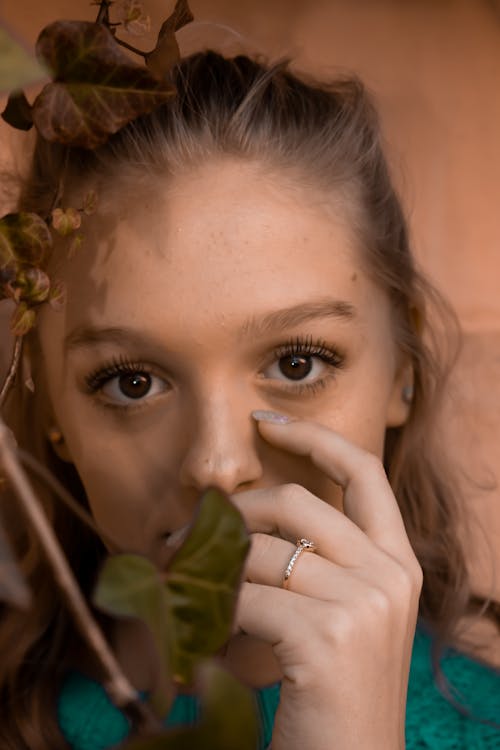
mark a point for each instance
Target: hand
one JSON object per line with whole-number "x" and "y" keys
{"x": 343, "y": 631}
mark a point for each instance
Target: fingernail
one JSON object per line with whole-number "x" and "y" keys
{"x": 178, "y": 536}
{"x": 270, "y": 416}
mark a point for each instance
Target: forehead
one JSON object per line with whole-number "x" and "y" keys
{"x": 220, "y": 241}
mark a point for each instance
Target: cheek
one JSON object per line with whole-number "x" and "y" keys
{"x": 359, "y": 415}
{"x": 121, "y": 489}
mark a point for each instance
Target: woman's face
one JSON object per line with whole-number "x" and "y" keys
{"x": 189, "y": 306}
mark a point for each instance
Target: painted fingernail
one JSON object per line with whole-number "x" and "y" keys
{"x": 270, "y": 416}
{"x": 177, "y": 537}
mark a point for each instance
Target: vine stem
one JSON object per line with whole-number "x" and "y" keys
{"x": 103, "y": 13}
{"x": 130, "y": 47}
{"x": 16, "y": 355}
{"x": 55, "y": 485}
{"x": 121, "y": 691}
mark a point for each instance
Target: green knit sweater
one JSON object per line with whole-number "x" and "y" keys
{"x": 89, "y": 721}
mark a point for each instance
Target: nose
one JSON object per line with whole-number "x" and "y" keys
{"x": 221, "y": 446}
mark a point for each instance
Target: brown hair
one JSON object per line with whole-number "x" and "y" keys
{"x": 328, "y": 136}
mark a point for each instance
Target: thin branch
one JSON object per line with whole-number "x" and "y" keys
{"x": 121, "y": 691}
{"x": 16, "y": 355}
{"x": 103, "y": 14}
{"x": 55, "y": 485}
{"x": 131, "y": 48}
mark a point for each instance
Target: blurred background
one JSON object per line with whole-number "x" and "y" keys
{"x": 434, "y": 69}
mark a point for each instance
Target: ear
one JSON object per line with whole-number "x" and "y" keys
{"x": 400, "y": 401}
{"x": 58, "y": 444}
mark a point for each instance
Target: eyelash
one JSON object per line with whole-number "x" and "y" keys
{"x": 299, "y": 346}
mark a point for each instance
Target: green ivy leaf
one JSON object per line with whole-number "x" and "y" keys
{"x": 13, "y": 588}
{"x": 202, "y": 582}
{"x": 219, "y": 728}
{"x": 18, "y": 111}
{"x": 190, "y": 612}
{"x": 130, "y": 585}
{"x": 23, "y": 319}
{"x": 17, "y": 67}
{"x": 166, "y": 52}
{"x": 34, "y": 285}
{"x": 97, "y": 89}
{"x": 24, "y": 237}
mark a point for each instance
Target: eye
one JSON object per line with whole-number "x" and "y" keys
{"x": 303, "y": 361}
{"x": 125, "y": 383}
{"x": 296, "y": 367}
{"x": 133, "y": 386}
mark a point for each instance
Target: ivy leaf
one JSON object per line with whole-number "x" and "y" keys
{"x": 18, "y": 111}
{"x": 202, "y": 582}
{"x": 130, "y": 585}
{"x": 34, "y": 285}
{"x": 13, "y": 588}
{"x": 190, "y": 612}
{"x": 132, "y": 15}
{"x": 65, "y": 221}
{"x": 166, "y": 53}
{"x": 57, "y": 295}
{"x": 23, "y": 319}
{"x": 23, "y": 237}
{"x": 75, "y": 245}
{"x": 17, "y": 67}
{"x": 90, "y": 203}
{"x": 218, "y": 729}
{"x": 97, "y": 89}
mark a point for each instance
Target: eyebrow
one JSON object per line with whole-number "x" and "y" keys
{"x": 273, "y": 322}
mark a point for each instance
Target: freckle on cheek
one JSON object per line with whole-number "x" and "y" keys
{"x": 354, "y": 276}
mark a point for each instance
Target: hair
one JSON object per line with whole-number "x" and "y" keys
{"x": 325, "y": 135}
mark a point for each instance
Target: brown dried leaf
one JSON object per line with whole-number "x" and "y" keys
{"x": 166, "y": 53}
{"x": 22, "y": 320}
{"x": 24, "y": 237}
{"x": 65, "y": 221}
{"x": 97, "y": 88}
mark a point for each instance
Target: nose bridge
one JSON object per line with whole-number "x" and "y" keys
{"x": 222, "y": 441}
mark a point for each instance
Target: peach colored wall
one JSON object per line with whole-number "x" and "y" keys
{"x": 434, "y": 67}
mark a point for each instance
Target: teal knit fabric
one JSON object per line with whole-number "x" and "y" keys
{"x": 89, "y": 721}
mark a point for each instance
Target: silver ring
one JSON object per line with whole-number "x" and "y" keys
{"x": 303, "y": 545}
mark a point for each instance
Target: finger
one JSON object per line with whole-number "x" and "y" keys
{"x": 311, "y": 574}
{"x": 368, "y": 497}
{"x": 288, "y": 616}
{"x": 291, "y": 512}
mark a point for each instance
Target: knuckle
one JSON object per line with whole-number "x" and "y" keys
{"x": 378, "y": 602}
{"x": 337, "y": 625}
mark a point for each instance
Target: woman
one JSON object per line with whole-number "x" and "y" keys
{"x": 245, "y": 313}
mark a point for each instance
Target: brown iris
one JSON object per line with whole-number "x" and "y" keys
{"x": 135, "y": 385}
{"x": 295, "y": 367}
